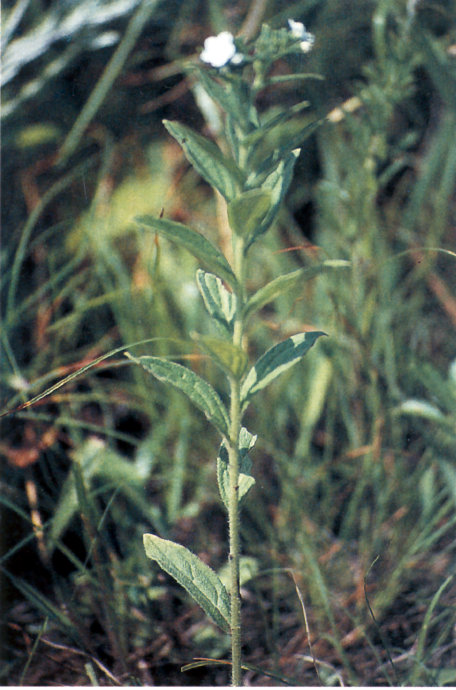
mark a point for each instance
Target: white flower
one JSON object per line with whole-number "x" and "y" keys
{"x": 220, "y": 50}
{"x": 298, "y": 30}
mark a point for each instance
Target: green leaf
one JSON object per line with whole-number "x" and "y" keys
{"x": 282, "y": 284}
{"x": 229, "y": 357}
{"x": 219, "y": 302}
{"x": 94, "y": 460}
{"x": 290, "y": 142}
{"x": 277, "y": 183}
{"x": 229, "y": 101}
{"x": 248, "y": 569}
{"x": 234, "y": 135}
{"x": 193, "y": 241}
{"x": 246, "y": 481}
{"x": 298, "y": 76}
{"x": 449, "y": 474}
{"x": 88, "y": 457}
{"x": 275, "y": 361}
{"x": 439, "y": 65}
{"x": 293, "y": 140}
{"x": 253, "y": 137}
{"x": 248, "y": 211}
{"x": 445, "y": 677}
{"x": 205, "y": 156}
{"x": 420, "y": 408}
{"x": 197, "y": 389}
{"x": 200, "y": 581}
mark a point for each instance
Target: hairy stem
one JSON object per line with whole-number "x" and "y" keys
{"x": 234, "y": 556}
{"x": 233, "y": 504}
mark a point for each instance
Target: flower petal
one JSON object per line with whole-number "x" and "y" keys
{"x": 298, "y": 30}
{"x": 219, "y": 50}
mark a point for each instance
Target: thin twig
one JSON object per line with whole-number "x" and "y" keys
{"x": 382, "y": 637}
{"x": 253, "y": 20}
{"x": 66, "y": 648}
{"x": 306, "y": 623}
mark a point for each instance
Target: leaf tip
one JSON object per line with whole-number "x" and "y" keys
{"x": 316, "y": 335}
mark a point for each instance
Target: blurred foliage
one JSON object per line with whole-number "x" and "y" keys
{"x": 356, "y": 453}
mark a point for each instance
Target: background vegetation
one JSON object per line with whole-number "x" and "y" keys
{"x": 351, "y": 528}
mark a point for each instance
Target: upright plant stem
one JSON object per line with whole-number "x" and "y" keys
{"x": 233, "y": 513}
{"x": 233, "y": 504}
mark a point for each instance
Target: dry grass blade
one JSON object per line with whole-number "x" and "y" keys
{"x": 306, "y": 623}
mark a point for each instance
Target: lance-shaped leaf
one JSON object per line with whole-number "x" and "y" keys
{"x": 234, "y": 135}
{"x": 282, "y": 284}
{"x": 229, "y": 357}
{"x": 247, "y": 212}
{"x": 275, "y": 361}
{"x": 197, "y": 389}
{"x": 257, "y": 134}
{"x": 193, "y": 241}
{"x": 200, "y": 581}
{"x": 276, "y": 183}
{"x": 246, "y": 481}
{"x": 295, "y": 140}
{"x": 292, "y": 140}
{"x": 226, "y": 97}
{"x": 205, "y": 156}
{"x": 219, "y": 302}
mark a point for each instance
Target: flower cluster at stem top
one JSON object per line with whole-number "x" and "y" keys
{"x": 221, "y": 50}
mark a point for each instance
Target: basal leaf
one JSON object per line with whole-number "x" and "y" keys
{"x": 275, "y": 361}
{"x": 246, "y": 481}
{"x": 200, "y": 581}
{"x": 205, "y": 156}
{"x": 219, "y": 302}
{"x": 286, "y": 282}
{"x": 197, "y": 389}
{"x": 229, "y": 357}
{"x": 248, "y": 211}
{"x": 193, "y": 241}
